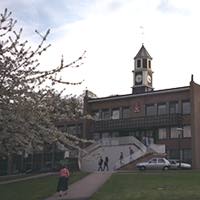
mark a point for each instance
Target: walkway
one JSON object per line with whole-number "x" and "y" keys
{"x": 84, "y": 188}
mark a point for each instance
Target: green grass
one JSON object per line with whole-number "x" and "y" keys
{"x": 35, "y": 189}
{"x": 151, "y": 186}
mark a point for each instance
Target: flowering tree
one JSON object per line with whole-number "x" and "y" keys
{"x": 28, "y": 107}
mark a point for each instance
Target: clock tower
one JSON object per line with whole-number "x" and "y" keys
{"x": 142, "y": 73}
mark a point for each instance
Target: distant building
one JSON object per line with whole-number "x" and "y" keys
{"x": 169, "y": 116}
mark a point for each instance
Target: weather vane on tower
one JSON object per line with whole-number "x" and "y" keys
{"x": 142, "y": 34}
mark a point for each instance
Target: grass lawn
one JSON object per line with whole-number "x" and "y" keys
{"x": 151, "y": 186}
{"x": 35, "y": 189}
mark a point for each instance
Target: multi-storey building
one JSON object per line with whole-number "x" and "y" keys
{"x": 169, "y": 116}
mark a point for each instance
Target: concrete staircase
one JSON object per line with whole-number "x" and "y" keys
{"x": 112, "y": 147}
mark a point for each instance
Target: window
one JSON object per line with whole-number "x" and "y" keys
{"x": 149, "y": 64}
{"x": 96, "y": 115}
{"x": 144, "y": 63}
{"x": 71, "y": 130}
{"x": 125, "y": 112}
{"x": 153, "y": 160}
{"x": 105, "y": 114}
{"x": 186, "y": 131}
{"x": 186, "y": 107}
{"x": 187, "y": 155}
{"x": 79, "y": 129}
{"x": 161, "y": 160}
{"x": 162, "y": 133}
{"x": 61, "y": 128}
{"x": 96, "y": 136}
{"x": 115, "y": 114}
{"x": 174, "y": 154}
{"x": 115, "y": 134}
{"x": 138, "y": 63}
{"x": 173, "y": 107}
{"x": 162, "y": 109}
{"x": 150, "y": 110}
{"x": 105, "y": 135}
{"x": 174, "y": 133}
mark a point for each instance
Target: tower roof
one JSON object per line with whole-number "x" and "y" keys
{"x": 143, "y": 53}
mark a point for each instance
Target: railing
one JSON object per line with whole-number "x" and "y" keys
{"x": 112, "y": 147}
{"x": 159, "y": 148}
{"x": 151, "y": 148}
{"x": 112, "y": 142}
{"x": 129, "y": 159}
{"x": 137, "y": 122}
{"x": 121, "y": 141}
{"x": 90, "y": 149}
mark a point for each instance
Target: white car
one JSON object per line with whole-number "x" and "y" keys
{"x": 175, "y": 164}
{"x": 154, "y": 163}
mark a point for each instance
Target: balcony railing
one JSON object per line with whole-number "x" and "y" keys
{"x": 137, "y": 122}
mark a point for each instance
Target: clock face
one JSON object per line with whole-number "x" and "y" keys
{"x": 138, "y": 78}
{"x": 149, "y": 79}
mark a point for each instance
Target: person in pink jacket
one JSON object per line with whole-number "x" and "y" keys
{"x": 63, "y": 181}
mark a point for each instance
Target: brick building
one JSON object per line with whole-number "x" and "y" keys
{"x": 169, "y": 116}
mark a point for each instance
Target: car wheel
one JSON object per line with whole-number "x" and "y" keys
{"x": 142, "y": 168}
{"x": 165, "y": 168}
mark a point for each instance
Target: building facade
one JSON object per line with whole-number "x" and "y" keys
{"x": 169, "y": 116}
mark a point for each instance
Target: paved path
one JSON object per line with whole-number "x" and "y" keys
{"x": 84, "y": 188}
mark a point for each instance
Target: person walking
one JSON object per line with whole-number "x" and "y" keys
{"x": 62, "y": 186}
{"x": 131, "y": 152}
{"x": 106, "y": 163}
{"x": 121, "y": 158}
{"x": 100, "y": 163}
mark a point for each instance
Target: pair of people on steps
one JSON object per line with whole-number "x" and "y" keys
{"x": 103, "y": 164}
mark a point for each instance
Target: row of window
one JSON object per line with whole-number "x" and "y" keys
{"x": 183, "y": 154}
{"x": 150, "y": 110}
{"x": 165, "y": 108}
{"x": 71, "y": 129}
{"x": 117, "y": 113}
{"x": 145, "y": 63}
{"x": 174, "y": 132}
{"x": 162, "y": 133}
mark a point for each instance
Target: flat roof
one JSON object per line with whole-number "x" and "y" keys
{"x": 118, "y": 97}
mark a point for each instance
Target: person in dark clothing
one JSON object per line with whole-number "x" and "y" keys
{"x": 121, "y": 158}
{"x": 106, "y": 164}
{"x": 100, "y": 163}
{"x": 131, "y": 152}
{"x": 62, "y": 186}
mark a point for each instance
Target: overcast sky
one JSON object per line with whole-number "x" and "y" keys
{"x": 112, "y": 32}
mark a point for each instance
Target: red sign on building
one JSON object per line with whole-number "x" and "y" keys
{"x": 136, "y": 107}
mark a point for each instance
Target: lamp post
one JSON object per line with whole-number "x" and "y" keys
{"x": 180, "y": 134}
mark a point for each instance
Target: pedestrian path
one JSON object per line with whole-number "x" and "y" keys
{"x": 84, "y": 188}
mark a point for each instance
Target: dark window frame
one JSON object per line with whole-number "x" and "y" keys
{"x": 176, "y": 108}
{"x": 144, "y": 63}
{"x": 105, "y": 112}
{"x": 138, "y": 63}
{"x": 149, "y": 64}
{"x": 162, "y": 104}
{"x": 128, "y": 112}
{"x": 146, "y": 109}
{"x": 185, "y": 112}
